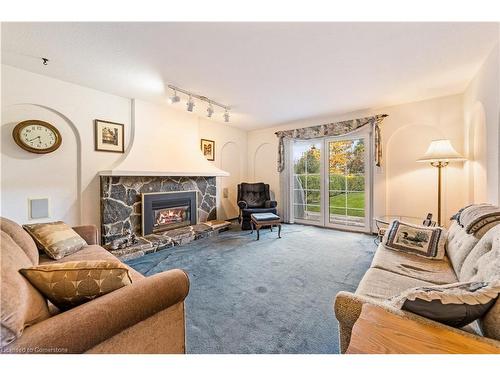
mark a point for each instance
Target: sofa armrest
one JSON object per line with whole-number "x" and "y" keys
{"x": 242, "y": 204}
{"x": 270, "y": 204}
{"x": 348, "y": 307}
{"x": 83, "y": 327}
{"x": 88, "y": 233}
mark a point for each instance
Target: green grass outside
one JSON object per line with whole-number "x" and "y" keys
{"x": 338, "y": 203}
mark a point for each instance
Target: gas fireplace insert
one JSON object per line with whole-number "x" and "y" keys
{"x": 168, "y": 210}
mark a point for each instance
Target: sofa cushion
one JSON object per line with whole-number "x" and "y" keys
{"x": 458, "y": 245}
{"x": 22, "y": 305}
{"x": 56, "y": 239}
{"x": 477, "y": 216}
{"x": 424, "y": 241}
{"x": 382, "y": 285}
{"x": 69, "y": 284}
{"x": 21, "y": 238}
{"x": 93, "y": 252}
{"x": 483, "y": 262}
{"x": 247, "y": 212}
{"x": 456, "y": 304}
{"x": 429, "y": 270}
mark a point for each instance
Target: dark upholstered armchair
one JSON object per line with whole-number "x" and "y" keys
{"x": 254, "y": 198}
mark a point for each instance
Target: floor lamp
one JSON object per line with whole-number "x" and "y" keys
{"x": 439, "y": 154}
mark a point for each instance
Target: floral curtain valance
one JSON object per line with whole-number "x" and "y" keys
{"x": 332, "y": 129}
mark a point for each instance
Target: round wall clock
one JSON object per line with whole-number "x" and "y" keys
{"x": 37, "y": 136}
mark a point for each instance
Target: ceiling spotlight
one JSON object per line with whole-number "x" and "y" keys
{"x": 174, "y": 98}
{"x": 226, "y": 116}
{"x": 210, "y": 110}
{"x": 190, "y": 104}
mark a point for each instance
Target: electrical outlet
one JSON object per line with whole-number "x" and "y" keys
{"x": 225, "y": 193}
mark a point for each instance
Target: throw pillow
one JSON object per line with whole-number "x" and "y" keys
{"x": 72, "y": 283}
{"x": 455, "y": 304}
{"x": 427, "y": 242}
{"x": 56, "y": 239}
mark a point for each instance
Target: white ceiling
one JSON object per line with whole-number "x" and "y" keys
{"x": 270, "y": 73}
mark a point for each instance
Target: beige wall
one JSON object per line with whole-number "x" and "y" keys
{"x": 482, "y": 122}
{"x": 402, "y": 186}
{"x": 68, "y": 177}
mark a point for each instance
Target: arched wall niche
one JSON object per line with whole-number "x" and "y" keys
{"x": 56, "y": 176}
{"x": 477, "y": 157}
{"x": 264, "y": 157}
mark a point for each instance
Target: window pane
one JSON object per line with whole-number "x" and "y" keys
{"x": 313, "y": 197}
{"x": 337, "y": 181}
{"x": 356, "y": 157}
{"x": 356, "y": 182}
{"x": 307, "y": 180}
{"x": 337, "y": 199}
{"x": 355, "y": 213}
{"x": 337, "y": 211}
{"x": 299, "y": 211}
{"x": 356, "y": 200}
{"x": 299, "y": 182}
{"x": 313, "y": 182}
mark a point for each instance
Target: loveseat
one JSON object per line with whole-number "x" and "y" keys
{"x": 468, "y": 258}
{"x": 146, "y": 316}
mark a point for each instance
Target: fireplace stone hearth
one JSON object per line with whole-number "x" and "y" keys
{"x": 121, "y": 211}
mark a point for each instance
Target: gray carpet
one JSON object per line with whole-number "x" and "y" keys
{"x": 268, "y": 296}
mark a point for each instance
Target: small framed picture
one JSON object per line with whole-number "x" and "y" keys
{"x": 109, "y": 136}
{"x": 208, "y": 149}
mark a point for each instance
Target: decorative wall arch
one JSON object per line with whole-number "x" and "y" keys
{"x": 477, "y": 157}
{"x": 77, "y": 138}
{"x": 262, "y": 149}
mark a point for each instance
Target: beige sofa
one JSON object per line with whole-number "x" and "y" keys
{"x": 144, "y": 317}
{"x": 391, "y": 272}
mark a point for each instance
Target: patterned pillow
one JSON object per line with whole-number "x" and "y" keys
{"x": 427, "y": 242}
{"x": 455, "y": 304}
{"x": 56, "y": 239}
{"x": 72, "y": 283}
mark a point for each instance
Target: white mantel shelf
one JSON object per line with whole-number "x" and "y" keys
{"x": 219, "y": 173}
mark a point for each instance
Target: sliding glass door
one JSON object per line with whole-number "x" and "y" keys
{"x": 331, "y": 182}
{"x": 307, "y": 182}
{"x": 347, "y": 180}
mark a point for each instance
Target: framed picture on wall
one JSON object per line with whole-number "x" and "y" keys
{"x": 109, "y": 136}
{"x": 208, "y": 149}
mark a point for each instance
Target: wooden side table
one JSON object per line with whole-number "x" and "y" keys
{"x": 379, "y": 332}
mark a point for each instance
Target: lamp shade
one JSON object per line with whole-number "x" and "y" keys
{"x": 441, "y": 150}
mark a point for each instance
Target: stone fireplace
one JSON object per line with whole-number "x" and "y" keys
{"x": 168, "y": 210}
{"x": 122, "y": 203}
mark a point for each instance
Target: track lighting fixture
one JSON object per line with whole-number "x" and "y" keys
{"x": 190, "y": 104}
{"x": 174, "y": 98}
{"x": 210, "y": 110}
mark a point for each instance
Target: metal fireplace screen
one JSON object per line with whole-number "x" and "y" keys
{"x": 167, "y": 211}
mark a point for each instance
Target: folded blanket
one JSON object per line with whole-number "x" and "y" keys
{"x": 474, "y": 217}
